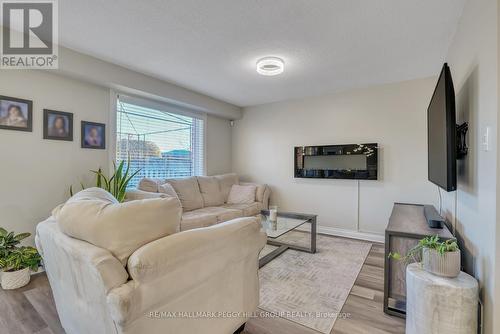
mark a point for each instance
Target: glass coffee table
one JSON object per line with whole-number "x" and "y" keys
{"x": 286, "y": 222}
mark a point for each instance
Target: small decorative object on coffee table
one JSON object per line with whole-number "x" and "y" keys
{"x": 285, "y": 222}
{"x": 273, "y": 217}
{"x": 273, "y": 213}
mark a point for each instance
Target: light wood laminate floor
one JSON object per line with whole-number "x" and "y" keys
{"x": 31, "y": 309}
{"x": 364, "y": 305}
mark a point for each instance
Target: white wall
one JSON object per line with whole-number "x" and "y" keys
{"x": 496, "y": 311}
{"x": 36, "y": 173}
{"x": 392, "y": 115}
{"x": 473, "y": 59}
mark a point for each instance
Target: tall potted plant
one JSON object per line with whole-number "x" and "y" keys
{"x": 16, "y": 262}
{"x": 115, "y": 184}
{"x": 438, "y": 257}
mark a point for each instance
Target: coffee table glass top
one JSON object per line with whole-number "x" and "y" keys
{"x": 281, "y": 226}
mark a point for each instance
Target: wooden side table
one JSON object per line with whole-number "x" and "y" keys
{"x": 407, "y": 225}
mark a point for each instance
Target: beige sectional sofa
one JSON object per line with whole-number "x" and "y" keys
{"x": 124, "y": 268}
{"x": 204, "y": 199}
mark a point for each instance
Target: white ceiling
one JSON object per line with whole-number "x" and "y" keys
{"x": 211, "y": 46}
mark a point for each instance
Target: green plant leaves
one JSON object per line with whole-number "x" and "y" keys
{"x": 395, "y": 256}
{"x": 433, "y": 242}
{"x": 9, "y": 240}
{"x": 117, "y": 183}
{"x": 20, "y": 258}
{"x": 14, "y": 258}
{"x": 22, "y": 236}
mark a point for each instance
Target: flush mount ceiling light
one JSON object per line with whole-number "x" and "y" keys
{"x": 270, "y": 66}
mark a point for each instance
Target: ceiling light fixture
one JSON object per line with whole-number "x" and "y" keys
{"x": 270, "y": 66}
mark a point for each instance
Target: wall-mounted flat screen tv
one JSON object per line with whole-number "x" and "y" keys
{"x": 442, "y": 134}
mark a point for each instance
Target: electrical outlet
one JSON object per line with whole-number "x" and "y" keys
{"x": 485, "y": 142}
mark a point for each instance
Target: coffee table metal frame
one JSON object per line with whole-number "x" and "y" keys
{"x": 311, "y": 219}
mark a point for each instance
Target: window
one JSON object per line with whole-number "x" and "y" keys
{"x": 162, "y": 144}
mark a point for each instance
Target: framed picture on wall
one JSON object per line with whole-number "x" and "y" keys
{"x": 57, "y": 125}
{"x": 16, "y": 114}
{"x": 93, "y": 135}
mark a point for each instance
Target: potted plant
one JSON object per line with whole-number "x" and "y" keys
{"x": 117, "y": 183}
{"x": 438, "y": 257}
{"x": 16, "y": 262}
{"x": 9, "y": 241}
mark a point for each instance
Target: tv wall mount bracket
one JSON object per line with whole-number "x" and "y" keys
{"x": 462, "y": 148}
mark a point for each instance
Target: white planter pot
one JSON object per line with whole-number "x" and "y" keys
{"x": 446, "y": 265}
{"x": 15, "y": 279}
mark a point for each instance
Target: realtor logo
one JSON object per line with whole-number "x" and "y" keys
{"x": 29, "y": 34}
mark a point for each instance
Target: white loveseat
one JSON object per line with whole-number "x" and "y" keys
{"x": 204, "y": 199}
{"x": 125, "y": 267}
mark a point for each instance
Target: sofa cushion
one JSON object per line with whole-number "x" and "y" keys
{"x": 241, "y": 194}
{"x": 247, "y": 210}
{"x": 149, "y": 184}
{"x": 188, "y": 191}
{"x": 226, "y": 181}
{"x": 206, "y": 216}
{"x": 222, "y": 214}
{"x": 194, "y": 219}
{"x": 210, "y": 190}
{"x": 95, "y": 216}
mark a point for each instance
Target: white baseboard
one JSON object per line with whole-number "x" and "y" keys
{"x": 340, "y": 232}
{"x": 352, "y": 234}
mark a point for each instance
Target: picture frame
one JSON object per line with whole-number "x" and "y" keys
{"x": 16, "y": 114}
{"x": 93, "y": 135}
{"x": 57, "y": 125}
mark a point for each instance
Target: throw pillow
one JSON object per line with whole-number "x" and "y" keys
{"x": 242, "y": 194}
{"x": 259, "y": 193}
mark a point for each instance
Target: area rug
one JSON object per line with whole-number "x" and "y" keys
{"x": 311, "y": 289}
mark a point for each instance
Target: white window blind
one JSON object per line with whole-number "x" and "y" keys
{"x": 160, "y": 143}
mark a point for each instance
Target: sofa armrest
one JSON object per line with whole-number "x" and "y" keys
{"x": 136, "y": 194}
{"x": 168, "y": 268}
{"x": 62, "y": 254}
{"x": 233, "y": 240}
{"x": 265, "y": 198}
